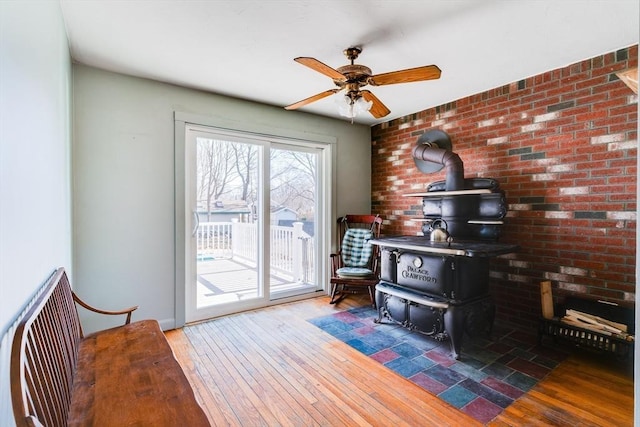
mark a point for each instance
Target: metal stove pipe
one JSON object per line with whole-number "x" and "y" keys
{"x": 450, "y": 160}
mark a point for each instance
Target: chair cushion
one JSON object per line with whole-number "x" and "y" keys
{"x": 356, "y": 249}
{"x": 354, "y": 272}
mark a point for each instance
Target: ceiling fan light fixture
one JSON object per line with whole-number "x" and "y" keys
{"x": 345, "y": 105}
{"x": 362, "y": 105}
{"x": 351, "y": 105}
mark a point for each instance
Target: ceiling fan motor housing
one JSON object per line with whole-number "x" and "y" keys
{"x": 357, "y": 76}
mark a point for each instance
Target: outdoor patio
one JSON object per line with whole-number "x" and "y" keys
{"x": 226, "y": 261}
{"x": 226, "y": 280}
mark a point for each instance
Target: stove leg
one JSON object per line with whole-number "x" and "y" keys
{"x": 379, "y": 305}
{"x": 474, "y": 318}
{"x": 454, "y": 325}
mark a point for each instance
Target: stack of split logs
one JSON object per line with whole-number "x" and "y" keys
{"x": 596, "y": 324}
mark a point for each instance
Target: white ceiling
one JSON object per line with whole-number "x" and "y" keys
{"x": 245, "y": 48}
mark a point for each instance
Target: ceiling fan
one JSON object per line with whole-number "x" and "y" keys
{"x": 353, "y": 77}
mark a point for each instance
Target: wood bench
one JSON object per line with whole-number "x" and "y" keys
{"x": 123, "y": 376}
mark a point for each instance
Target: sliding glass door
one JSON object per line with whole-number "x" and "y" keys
{"x": 254, "y": 207}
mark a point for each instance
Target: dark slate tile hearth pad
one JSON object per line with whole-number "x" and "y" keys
{"x": 490, "y": 374}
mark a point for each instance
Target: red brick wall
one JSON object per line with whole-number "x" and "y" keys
{"x": 563, "y": 146}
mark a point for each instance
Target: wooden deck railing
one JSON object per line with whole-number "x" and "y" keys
{"x": 291, "y": 249}
{"x": 214, "y": 240}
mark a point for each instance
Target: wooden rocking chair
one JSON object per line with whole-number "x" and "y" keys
{"x": 355, "y": 267}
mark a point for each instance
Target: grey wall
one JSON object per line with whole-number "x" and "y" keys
{"x": 123, "y": 167}
{"x": 35, "y": 198}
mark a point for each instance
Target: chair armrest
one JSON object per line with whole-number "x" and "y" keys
{"x": 126, "y": 311}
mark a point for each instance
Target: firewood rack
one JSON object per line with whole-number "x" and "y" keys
{"x": 586, "y": 338}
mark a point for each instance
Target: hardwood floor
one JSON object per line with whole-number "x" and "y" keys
{"x": 271, "y": 367}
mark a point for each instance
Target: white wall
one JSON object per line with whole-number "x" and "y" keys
{"x": 35, "y": 200}
{"x": 123, "y": 168}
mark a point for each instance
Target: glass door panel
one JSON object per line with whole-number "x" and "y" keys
{"x": 225, "y": 256}
{"x": 227, "y": 237}
{"x": 294, "y": 197}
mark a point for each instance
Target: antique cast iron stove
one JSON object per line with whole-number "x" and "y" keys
{"x": 441, "y": 289}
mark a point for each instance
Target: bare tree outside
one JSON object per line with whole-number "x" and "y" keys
{"x": 246, "y": 165}
{"x": 215, "y": 171}
{"x": 293, "y": 181}
{"x": 228, "y": 171}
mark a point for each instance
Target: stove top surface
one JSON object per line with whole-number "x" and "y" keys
{"x": 456, "y": 248}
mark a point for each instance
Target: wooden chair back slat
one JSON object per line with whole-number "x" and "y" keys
{"x": 44, "y": 384}
{"x": 63, "y": 347}
{"x": 35, "y": 371}
{"x": 36, "y": 378}
{"x": 50, "y": 361}
{"x": 44, "y": 356}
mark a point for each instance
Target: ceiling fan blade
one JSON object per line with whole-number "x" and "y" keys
{"x": 311, "y": 99}
{"x": 428, "y": 72}
{"x": 320, "y": 67}
{"x": 378, "y": 109}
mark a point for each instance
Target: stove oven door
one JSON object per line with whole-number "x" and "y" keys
{"x": 426, "y": 273}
